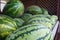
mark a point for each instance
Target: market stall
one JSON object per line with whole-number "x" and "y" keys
{"x": 29, "y": 19}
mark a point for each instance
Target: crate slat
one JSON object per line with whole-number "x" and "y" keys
{"x": 55, "y": 29}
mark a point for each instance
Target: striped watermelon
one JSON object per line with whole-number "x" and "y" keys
{"x": 19, "y": 21}
{"x": 39, "y": 16}
{"x": 26, "y": 16}
{"x": 42, "y": 20}
{"x": 31, "y": 32}
{"x": 46, "y": 17}
{"x": 34, "y": 10}
{"x": 44, "y": 11}
{"x": 7, "y": 25}
{"x": 48, "y": 24}
{"x": 14, "y": 8}
{"x": 54, "y": 18}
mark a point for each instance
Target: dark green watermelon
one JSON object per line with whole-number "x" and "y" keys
{"x": 26, "y": 16}
{"x": 14, "y": 8}
{"x": 34, "y": 10}
{"x": 44, "y": 11}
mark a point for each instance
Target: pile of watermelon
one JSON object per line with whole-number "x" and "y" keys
{"x": 33, "y": 23}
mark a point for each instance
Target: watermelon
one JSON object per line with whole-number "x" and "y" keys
{"x": 48, "y": 24}
{"x": 26, "y": 16}
{"x": 19, "y": 21}
{"x": 14, "y": 8}
{"x": 54, "y": 18}
{"x": 46, "y": 17}
{"x": 31, "y": 32}
{"x": 44, "y": 11}
{"x": 7, "y": 25}
{"x": 41, "y": 20}
{"x": 34, "y": 10}
{"x": 39, "y": 16}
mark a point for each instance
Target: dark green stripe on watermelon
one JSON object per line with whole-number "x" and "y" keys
{"x": 43, "y": 37}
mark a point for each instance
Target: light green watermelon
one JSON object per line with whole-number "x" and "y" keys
{"x": 40, "y": 15}
{"x": 54, "y": 19}
{"x": 7, "y": 25}
{"x": 42, "y": 20}
{"x": 31, "y": 32}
